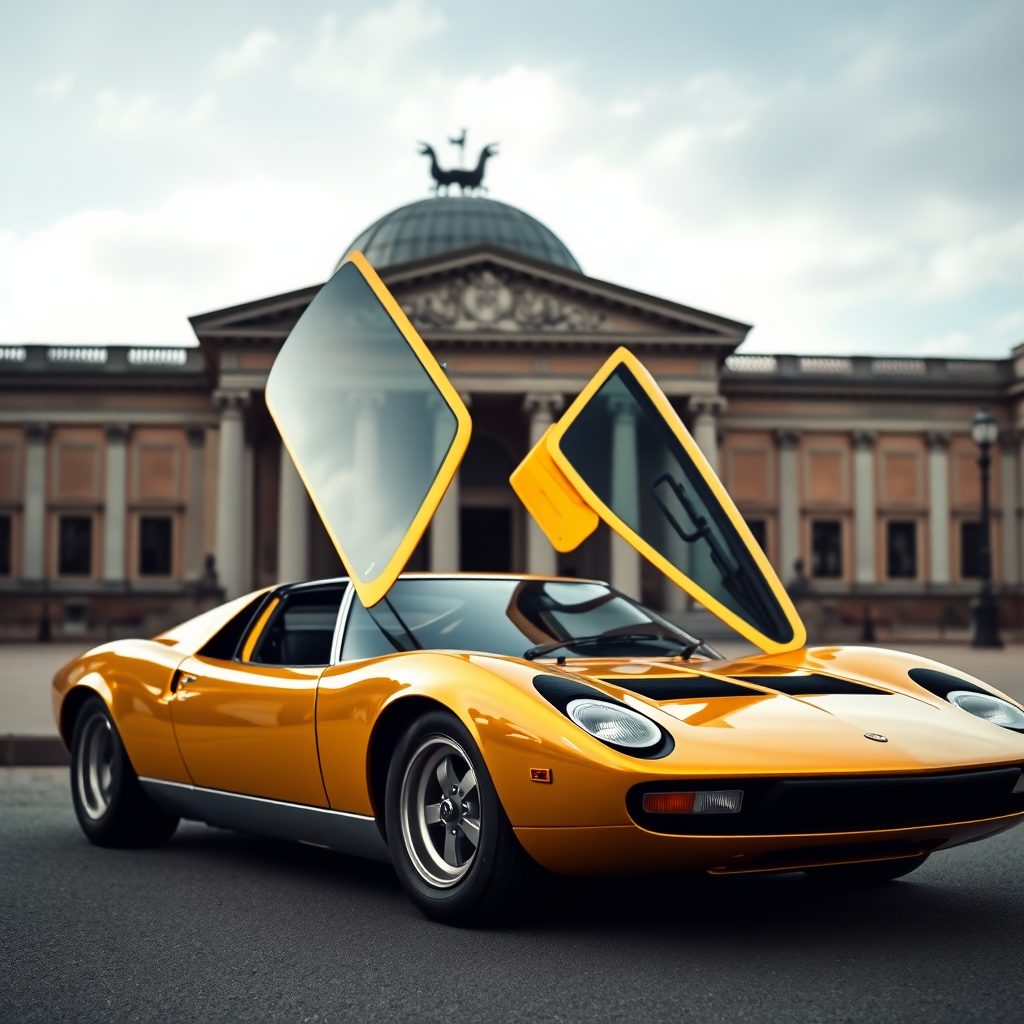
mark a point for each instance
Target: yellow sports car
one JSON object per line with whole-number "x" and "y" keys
{"x": 468, "y": 728}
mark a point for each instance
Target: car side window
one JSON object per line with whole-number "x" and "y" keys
{"x": 300, "y": 629}
{"x": 363, "y": 638}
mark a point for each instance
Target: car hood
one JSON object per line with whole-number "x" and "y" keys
{"x": 760, "y": 730}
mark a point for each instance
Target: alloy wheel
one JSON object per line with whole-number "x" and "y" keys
{"x": 440, "y": 811}
{"x": 94, "y": 769}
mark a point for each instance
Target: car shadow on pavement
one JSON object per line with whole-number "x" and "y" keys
{"x": 758, "y": 909}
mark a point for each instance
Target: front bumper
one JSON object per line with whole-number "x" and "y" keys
{"x": 628, "y": 849}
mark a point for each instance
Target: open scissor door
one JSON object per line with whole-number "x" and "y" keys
{"x": 621, "y": 453}
{"x": 372, "y": 423}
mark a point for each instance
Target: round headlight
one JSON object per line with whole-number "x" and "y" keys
{"x": 992, "y": 709}
{"x": 613, "y": 724}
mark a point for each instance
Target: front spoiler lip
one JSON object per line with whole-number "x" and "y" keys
{"x": 631, "y": 849}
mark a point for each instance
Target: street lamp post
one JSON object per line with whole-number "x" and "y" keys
{"x": 985, "y": 431}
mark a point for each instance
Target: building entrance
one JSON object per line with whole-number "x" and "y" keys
{"x": 486, "y": 540}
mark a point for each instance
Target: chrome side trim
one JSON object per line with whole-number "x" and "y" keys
{"x": 339, "y": 626}
{"x": 354, "y": 834}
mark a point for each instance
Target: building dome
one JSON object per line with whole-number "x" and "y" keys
{"x": 433, "y": 226}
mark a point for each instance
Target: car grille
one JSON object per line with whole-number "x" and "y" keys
{"x": 801, "y": 805}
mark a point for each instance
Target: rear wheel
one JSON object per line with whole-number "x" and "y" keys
{"x": 869, "y": 873}
{"x": 109, "y": 800}
{"x": 451, "y": 843}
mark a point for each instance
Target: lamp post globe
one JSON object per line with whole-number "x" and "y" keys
{"x": 985, "y": 431}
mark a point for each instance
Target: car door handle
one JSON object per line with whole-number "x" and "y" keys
{"x": 181, "y": 679}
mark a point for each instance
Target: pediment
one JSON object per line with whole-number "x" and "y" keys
{"x": 493, "y": 294}
{"x": 490, "y": 291}
{"x": 489, "y": 298}
{"x": 264, "y": 320}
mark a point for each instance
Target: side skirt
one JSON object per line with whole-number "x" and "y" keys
{"x": 354, "y": 834}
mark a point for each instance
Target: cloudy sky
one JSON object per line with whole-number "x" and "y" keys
{"x": 846, "y": 177}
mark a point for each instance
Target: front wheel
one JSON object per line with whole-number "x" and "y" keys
{"x": 869, "y": 873}
{"x": 110, "y": 803}
{"x": 451, "y": 843}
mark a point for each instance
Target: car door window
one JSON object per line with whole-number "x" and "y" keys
{"x": 300, "y": 629}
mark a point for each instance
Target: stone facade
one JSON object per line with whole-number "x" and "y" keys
{"x": 139, "y": 485}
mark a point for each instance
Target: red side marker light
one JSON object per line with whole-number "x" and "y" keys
{"x": 540, "y": 774}
{"x": 669, "y": 803}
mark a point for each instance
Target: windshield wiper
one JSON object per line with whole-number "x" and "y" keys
{"x": 686, "y": 649}
{"x": 732, "y": 577}
{"x": 389, "y": 636}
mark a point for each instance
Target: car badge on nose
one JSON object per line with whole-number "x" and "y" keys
{"x": 876, "y": 736}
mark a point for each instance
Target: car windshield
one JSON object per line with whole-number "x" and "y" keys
{"x": 509, "y": 616}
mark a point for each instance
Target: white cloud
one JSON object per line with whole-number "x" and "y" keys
{"x": 145, "y": 114}
{"x": 370, "y": 57}
{"x": 111, "y": 276}
{"x": 831, "y": 212}
{"x": 1010, "y": 323}
{"x": 956, "y": 343}
{"x": 57, "y": 88}
{"x": 250, "y": 53}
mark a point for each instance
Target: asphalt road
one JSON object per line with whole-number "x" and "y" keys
{"x": 223, "y": 927}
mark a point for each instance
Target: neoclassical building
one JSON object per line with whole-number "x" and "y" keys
{"x": 138, "y": 485}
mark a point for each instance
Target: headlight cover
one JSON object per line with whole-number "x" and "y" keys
{"x": 612, "y": 724}
{"x": 991, "y": 709}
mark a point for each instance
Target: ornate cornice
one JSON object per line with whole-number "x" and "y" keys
{"x": 498, "y": 300}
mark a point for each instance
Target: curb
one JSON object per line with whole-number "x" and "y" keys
{"x": 32, "y": 752}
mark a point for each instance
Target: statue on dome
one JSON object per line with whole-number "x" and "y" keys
{"x": 468, "y": 181}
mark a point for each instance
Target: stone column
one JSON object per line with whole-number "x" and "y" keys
{"x": 293, "y": 509}
{"x": 195, "y": 470}
{"x": 675, "y": 599}
{"x": 864, "y": 506}
{"x": 625, "y": 501}
{"x": 938, "y": 507}
{"x": 249, "y": 520}
{"x": 1018, "y": 514}
{"x": 788, "y": 442}
{"x": 445, "y": 527}
{"x": 541, "y": 557}
{"x": 705, "y": 411}
{"x": 34, "y": 518}
{"x": 1008, "y": 493}
{"x": 231, "y": 512}
{"x": 115, "y": 506}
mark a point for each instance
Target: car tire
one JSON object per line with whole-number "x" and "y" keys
{"x": 871, "y": 873}
{"x": 110, "y": 803}
{"x": 452, "y": 845}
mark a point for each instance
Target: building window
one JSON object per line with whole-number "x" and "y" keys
{"x": 155, "y": 546}
{"x": 901, "y": 551}
{"x": 970, "y": 551}
{"x": 827, "y": 549}
{"x": 5, "y": 545}
{"x": 75, "y": 546}
{"x": 759, "y": 529}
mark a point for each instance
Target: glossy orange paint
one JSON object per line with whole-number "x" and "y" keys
{"x": 134, "y": 678}
{"x": 626, "y": 849}
{"x": 250, "y": 729}
{"x": 304, "y": 736}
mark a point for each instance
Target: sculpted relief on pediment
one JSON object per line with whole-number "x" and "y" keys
{"x": 490, "y": 300}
